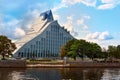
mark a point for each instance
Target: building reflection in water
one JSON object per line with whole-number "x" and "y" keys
{"x": 59, "y": 74}
{"x": 82, "y": 74}
{"x": 111, "y": 74}
{"x": 11, "y": 73}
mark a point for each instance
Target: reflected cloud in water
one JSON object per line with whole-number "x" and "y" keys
{"x": 59, "y": 74}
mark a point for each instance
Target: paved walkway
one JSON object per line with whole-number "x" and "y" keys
{"x": 47, "y": 65}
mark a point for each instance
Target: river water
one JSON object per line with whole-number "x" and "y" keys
{"x": 60, "y": 74}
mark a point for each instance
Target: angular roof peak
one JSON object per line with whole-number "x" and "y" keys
{"x": 47, "y": 15}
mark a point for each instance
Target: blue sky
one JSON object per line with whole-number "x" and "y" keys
{"x": 92, "y": 20}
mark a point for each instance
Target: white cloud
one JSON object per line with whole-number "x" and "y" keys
{"x": 71, "y": 1}
{"x": 99, "y": 36}
{"x": 69, "y": 26}
{"x": 13, "y": 27}
{"x": 7, "y": 28}
{"x": 32, "y": 14}
{"x": 86, "y": 2}
{"x": 87, "y": 17}
{"x": 13, "y": 22}
{"x": 81, "y": 23}
{"x": 89, "y": 2}
{"x": 59, "y": 6}
{"x": 104, "y": 39}
{"x": 28, "y": 19}
{"x": 1, "y": 24}
{"x": 19, "y": 32}
{"x": 110, "y": 1}
{"x": 105, "y": 4}
{"x": 66, "y": 3}
{"x": 56, "y": 17}
{"x": 93, "y": 35}
{"x": 108, "y": 4}
{"x": 105, "y": 36}
{"x": 106, "y": 1}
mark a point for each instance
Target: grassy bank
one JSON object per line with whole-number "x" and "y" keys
{"x": 44, "y": 61}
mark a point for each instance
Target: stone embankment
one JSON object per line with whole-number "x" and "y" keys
{"x": 76, "y": 65}
{"x": 12, "y": 63}
{"x": 94, "y": 65}
{"x": 47, "y": 66}
{"x": 73, "y": 64}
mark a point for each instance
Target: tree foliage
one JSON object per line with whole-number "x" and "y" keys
{"x": 93, "y": 50}
{"x": 65, "y": 49}
{"x": 81, "y": 48}
{"x": 6, "y": 46}
{"x": 114, "y": 51}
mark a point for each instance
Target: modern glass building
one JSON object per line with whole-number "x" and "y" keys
{"x": 44, "y": 40}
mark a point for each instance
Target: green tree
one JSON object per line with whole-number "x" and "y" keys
{"x": 104, "y": 54}
{"x": 6, "y": 46}
{"x": 69, "y": 44}
{"x": 81, "y": 48}
{"x": 112, "y": 50}
{"x": 118, "y": 51}
{"x": 66, "y": 48}
{"x": 74, "y": 50}
{"x": 93, "y": 50}
{"x": 77, "y": 49}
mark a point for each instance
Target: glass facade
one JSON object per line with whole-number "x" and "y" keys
{"x": 47, "y": 43}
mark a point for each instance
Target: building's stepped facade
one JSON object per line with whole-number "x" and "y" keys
{"x": 44, "y": 40}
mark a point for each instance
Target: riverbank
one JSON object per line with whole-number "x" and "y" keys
{"x": 12, "y": 63}
{"x": 76, "y": 65}
{"x": 68, "y": 64}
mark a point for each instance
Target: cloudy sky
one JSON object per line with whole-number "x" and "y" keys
{"x": 92, "y": 20}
